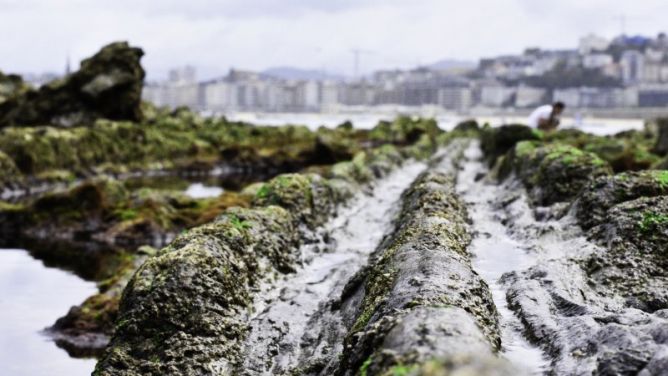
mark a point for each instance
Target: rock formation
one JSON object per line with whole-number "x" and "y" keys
{"x": 107, "y": 85}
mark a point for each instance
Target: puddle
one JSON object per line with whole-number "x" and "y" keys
{"x": 199, "y": 190}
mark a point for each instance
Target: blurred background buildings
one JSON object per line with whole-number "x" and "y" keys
{"x": 625, "y": 72}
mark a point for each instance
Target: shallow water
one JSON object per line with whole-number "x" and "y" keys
{"x": 199, "y": 190}
{"x": 32, "y": 297}
{"x": 496, "y": 253}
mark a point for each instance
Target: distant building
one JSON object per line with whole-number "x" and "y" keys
{"x": 597, "y": 60}
{"x": 496, "y": 95}
{"x": 570, "y": 97}
{"x": 588, "y": 97}
{"x": 633, "y": 66}
{"x": 592, "y": 43}
{"x": 526, "y": 96}
{"x": 653, "y": 96}
{"x": 455, "y": 98}
{"x": 219, "y": 95}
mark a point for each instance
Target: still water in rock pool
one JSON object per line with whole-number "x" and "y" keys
{"x": 32, "y": 297}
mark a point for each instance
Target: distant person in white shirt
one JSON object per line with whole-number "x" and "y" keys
{"x": 546, "y": 117}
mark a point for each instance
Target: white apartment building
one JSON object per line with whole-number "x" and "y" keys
{"x": 455, "y": 98}
{"x": 526, "y": 96}
{"x": 594, "y": 60}
{"x": 496, "y": 95}
{"x": 591, "y": 43}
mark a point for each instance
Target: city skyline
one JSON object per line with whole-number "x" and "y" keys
{"x": 260, "y": 34}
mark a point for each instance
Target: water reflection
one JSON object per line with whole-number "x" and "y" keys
{"x": 199, "y": 190}
{"x": 32, "y": 297}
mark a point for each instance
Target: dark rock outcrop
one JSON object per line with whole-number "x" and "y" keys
{"x": 107, "y": 85}
{"x": 495, "y": 142}
{"x": 470, "y": 125}
{"x": 10, "y": 86}
{"x": 661, "y": 146}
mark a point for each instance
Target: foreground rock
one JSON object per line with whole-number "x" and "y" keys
{"x": 186, "y": 310}
{"x": 596, "y": 306}
{"x": 420, "y": 308}
{"x": 86, "y": 329}
{"x": 108, "y": 85}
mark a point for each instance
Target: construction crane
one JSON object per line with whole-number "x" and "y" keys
{"x": 357, "y": 53}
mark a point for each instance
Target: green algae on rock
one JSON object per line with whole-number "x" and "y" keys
{"x": 103, "y": 213}
{"x": 625, "y": 151}
{"x": 554, "y": 172}
{"x": 421, "y": 298}
{"x": 86, "y": 328}
{"x": 635, "y": 233}
{"x": 107, "y": 85}
{"x": 186, "y": 309}
{"x": 607, "y": 191}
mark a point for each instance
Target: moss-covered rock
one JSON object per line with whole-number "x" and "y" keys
{"x": 635, "y": 265}
{"x": 102, "y": 212}
{"x": 470, "y": 125}
{"x": 404, "y": 130}
{"x": 86, "y": 329}
{"x": 421, "y": 298}
{"x": 607, "y": 191}
{"x": 183, "y": 140}
{"x": 625, "y": 151}
{"x": 9, "y": 174}
{"x": 10, "y": 86}
{"x": 553, "y": 172}
{"x": 495, "y": 142}
{"x": 186, "y": 310}
{"x": 107, "y": 85}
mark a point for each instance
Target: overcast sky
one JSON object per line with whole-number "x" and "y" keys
{"x": 214, "y": 35}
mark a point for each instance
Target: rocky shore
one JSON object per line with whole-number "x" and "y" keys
{"x": 347, "y": 251}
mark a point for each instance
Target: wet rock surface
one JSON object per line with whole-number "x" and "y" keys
{"x": 605, "y": 192}
{"x": 296, "y": 329}
{"x": 107, "y": 85}
{"x": 595, "y": 302}
{"x": 420, "y": 295}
